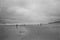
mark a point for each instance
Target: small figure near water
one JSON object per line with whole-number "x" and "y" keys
{"x": 17, "y": 26}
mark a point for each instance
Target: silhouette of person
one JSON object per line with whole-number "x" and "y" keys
{"x": 16, "y": 25}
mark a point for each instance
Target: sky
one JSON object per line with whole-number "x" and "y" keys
{"x": 32, "y": 11}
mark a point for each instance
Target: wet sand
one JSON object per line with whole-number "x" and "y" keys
{"x": 35, "y": 32}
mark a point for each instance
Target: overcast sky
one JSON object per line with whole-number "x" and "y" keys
{"x": 24, "y": 11}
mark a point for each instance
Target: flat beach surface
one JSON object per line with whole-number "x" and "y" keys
{"x": 35, "y": 32}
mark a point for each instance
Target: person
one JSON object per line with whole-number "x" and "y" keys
{"x": 16, "y": 25}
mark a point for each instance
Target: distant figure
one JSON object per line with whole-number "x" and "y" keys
{"x": 40, "y": 24}
{"x": 17, "y": 26}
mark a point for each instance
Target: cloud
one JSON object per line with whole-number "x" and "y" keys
{"x": 42, "y": 12}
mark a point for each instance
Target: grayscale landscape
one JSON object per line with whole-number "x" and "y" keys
{"x": 29, "y": 19}
{"x": 35, "y": 32}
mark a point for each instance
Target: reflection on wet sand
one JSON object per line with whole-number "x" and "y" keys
{"x": 35, "y": 32}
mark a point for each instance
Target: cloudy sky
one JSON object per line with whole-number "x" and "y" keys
{"x": 29, "y": 11}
